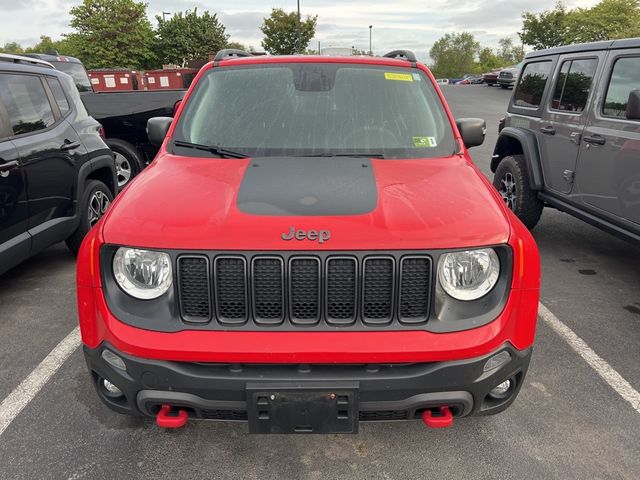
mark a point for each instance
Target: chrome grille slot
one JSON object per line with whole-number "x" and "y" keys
{"x": 230, "y": 283}
{"x": 378, "y": 279}
{"x": 304, "y": 290}
{"x": 194, "y": 289}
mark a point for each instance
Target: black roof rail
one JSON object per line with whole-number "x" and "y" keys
{"x": 407, "y": 55}
{"x": 230, "y": 53}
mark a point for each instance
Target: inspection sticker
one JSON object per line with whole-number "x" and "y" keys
{"x": 424, "y": 142}
{"x": 403, "y": 77}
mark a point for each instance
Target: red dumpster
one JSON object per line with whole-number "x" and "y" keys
{"x": 170, "y": 79}
{"x": 111, "y": 80}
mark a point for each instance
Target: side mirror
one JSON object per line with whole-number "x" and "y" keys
{"x": 176, "y": 106}
{"x": 157, "y": 128}
{"x": 633, "y": 105}
{"x": 472, "y": 131}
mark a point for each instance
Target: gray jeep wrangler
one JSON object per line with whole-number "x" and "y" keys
{"x": 571, "y": 137}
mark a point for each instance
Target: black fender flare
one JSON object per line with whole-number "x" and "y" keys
{"x": 84, "y": 172}
{"x": 530, "y": 152}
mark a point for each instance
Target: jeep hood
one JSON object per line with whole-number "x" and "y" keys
{"x": 365, "y": 204}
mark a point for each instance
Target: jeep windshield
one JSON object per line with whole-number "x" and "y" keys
{"x": 315, "y": 109}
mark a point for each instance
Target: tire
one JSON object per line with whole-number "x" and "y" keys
{"x": 129, "y": 161}
{"x": 512, "y": 182}
{"x": 95, "y": 201}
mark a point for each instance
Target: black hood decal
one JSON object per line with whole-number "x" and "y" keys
{"x": 308, "y": 186}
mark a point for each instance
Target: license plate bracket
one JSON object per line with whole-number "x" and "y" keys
{"x": 302, "y": 409}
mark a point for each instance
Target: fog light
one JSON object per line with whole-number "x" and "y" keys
{"x": 112, "y": 390}
{"x": 113, "y": 360}
{"x": 501, "y": 390}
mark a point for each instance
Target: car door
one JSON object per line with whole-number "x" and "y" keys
{"x": 47, "y": 145}
{"x": 609, "y": 164}
{"x": 564, "y": 118}
{"x": 15, "y": 241}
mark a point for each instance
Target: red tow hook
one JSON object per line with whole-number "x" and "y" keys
{"x": 444, "y": 419}
{"x": 164, "y": 420}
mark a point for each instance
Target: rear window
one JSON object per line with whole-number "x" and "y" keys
{"x": 58, "y": 94}
{"x": 531, "y": 86}
{"x": 26, "y": 102}
{"x": 624, "y": 78}
{"x": 299, "y": 109}
{"x": 573, "y": 85}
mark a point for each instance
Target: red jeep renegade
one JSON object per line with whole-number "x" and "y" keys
{"x": 311, "y": 248}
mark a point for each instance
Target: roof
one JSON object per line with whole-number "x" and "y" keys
{"x": 28, "y": 65}
{"x": 53, "y": 58}
{"x": 19, "y": 59}
{"x": 587, "y": 47}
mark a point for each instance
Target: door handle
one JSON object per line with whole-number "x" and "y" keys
{"x": 67, "y": 145}
{"x": 6, "y": 167}
{"x": 548, "y": 130}
{"x": 595, "y": 140}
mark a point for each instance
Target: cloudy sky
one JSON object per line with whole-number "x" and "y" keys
{"x": 411, "y": 24}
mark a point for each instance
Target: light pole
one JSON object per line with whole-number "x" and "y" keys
{"x": 299, "y": 28}
{"x": 165, "y": 13}
{"x": 370, "y": 49}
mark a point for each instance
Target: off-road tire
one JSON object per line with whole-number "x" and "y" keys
{"x": 130, "y": 163}
{"x": 512, "y": 182}
{"x": 95, "y": 194}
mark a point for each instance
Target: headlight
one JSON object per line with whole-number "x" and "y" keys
{"x": 469, "y": 275}
{"x": 143, "y": 274}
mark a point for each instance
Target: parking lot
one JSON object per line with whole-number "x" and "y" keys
{"x": 568, "y": 422}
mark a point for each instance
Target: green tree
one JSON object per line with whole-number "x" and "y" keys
{"x": 13, "y": 48}
{"x": 112, "y": 33}
{"x": 236, "y": 46}
{"x": 63, "y": 46}
{"x": 545, "y": 30}
{"x": 286, "y": 34}
{"x": 189, "y": 36}
{"x": 607, "y": 20}
{"x": 488, "y": 60}
{"x": 508, "y": 53}
{"x": 454, "y": 54}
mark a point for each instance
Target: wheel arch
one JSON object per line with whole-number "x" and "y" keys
{"x": 514, "y": 141}
{"x": 100, "y": 168}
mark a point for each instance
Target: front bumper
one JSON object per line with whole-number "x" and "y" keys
{"x": 218, "y": 391}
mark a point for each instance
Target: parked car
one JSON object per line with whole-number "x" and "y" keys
{"x": 508, "y": 77}
{"x": 442, "y": 81}
{"x": 491, "y": 78}
{"x": 123, "y": 115}
{"x": 303, "y": 265}
{"x": 57, "y": 175}
{"x": 470, "y": 80}
{"x": 571, "y": 137}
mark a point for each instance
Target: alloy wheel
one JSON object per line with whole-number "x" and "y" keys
{"x": 123, "y": 170}
{"x": 98, "y": 205}
{"x": 507, "y": 190}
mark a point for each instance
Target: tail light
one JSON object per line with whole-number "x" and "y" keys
{"x": 102, "y": 133}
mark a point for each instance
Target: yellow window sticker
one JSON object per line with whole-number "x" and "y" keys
{"x": 425, "y": 142}
{"x": 403, "y": 77}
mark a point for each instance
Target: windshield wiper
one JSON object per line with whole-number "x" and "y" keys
{"x": 214, "y": 149}
{"x": 362, "y": 155}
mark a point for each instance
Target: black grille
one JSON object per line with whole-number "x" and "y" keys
{"x": 415, "y": 286}
{"x": 195, "y": 298}
{"x": 383, "y": 415}
{"x": 316, "y": 290}
{"x": 304, "y": 290}
{"x": 231, "y": 289}
{"x": 342, "y": 290}
{"x": 268, "y": 290}
{"x": 377, "y": 289}
{"x": 223, "y": 414}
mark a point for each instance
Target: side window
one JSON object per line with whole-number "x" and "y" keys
{"x": 531, "y": 86}
{"x": 26, "y": 102}
{"x": 58, "y": 94}
{"x": 624, "y": 78}
{"x": 573, "y": 85}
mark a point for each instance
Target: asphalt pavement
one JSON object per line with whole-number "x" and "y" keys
{"x": 567, "y": 422}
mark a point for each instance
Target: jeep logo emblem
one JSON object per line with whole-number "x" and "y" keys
{"x": 320, "y": 235}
